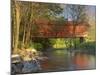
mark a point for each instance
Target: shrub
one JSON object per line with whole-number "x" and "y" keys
{"x": 89, "y": 47}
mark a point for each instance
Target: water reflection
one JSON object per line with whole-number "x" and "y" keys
{"x": 81, "y": 61}
{"x": 60, "y": 60}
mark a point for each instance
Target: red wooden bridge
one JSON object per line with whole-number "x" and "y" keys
{"x": 48, "y": 29}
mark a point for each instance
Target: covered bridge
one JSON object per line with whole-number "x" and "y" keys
{"x": 49, "y": 29}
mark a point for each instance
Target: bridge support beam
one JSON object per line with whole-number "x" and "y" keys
{"x": 81, "y": 39}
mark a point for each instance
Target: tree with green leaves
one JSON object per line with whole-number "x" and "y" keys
{"x": 78, "y": 16}
{"x": 24, "y": 15}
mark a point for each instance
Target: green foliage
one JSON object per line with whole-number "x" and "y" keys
{"x": 42, "y": 43}
{"x": 72, "y": 42}
{"x": 89, "y": 47}
{"x": 59, "y": 43}
{"x": 37, "y": 46}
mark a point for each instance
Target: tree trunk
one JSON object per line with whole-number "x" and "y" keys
{"x": 16, "y": 31}
{"x": 13, "y": 28}
{"x": 27, "y": 39}
{"x": 23, "y": 40}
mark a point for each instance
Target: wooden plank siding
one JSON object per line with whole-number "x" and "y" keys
{"x": 48, "y": 28}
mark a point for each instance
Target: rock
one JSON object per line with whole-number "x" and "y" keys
{"x": 31, "y": 66}
{"x": 16, "y": 67}
{"x": 42, "y": 58}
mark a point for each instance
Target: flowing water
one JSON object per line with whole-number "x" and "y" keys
{"x": 63, "y": 60}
